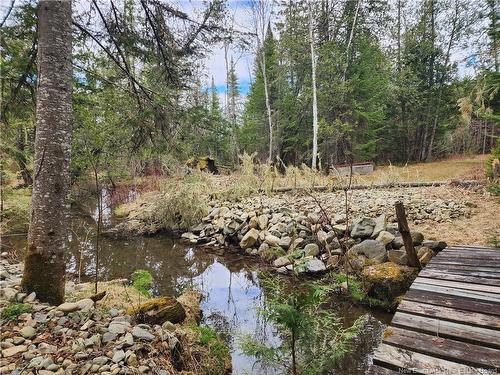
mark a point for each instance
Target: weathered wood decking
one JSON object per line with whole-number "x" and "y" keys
{"x": 449, "y": 320}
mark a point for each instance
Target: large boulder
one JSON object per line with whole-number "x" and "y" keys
{"x": 363, "y": 228}
{"x": 371, "y": 249}
{"x": 435, "y": 246}
{"x": 310, "y": 265}
{"x": 398, "y": 256}
{"x": 380, "y": 225}
{"x": 158, "y": 311}
{"x": 424, "y": 255}
{"x": 417, "y": 238}
{"x": 311, "y": 249}
{"x": 249, "y": 239}
{"x": 385, "y": 237}
{"x": 386, "y": 281}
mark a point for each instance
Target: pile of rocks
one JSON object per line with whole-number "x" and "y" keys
{"x": 76, "y": 337}
{"x": 308, "y": 241}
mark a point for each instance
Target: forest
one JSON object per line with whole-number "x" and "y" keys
{"x": 296, "y": 187}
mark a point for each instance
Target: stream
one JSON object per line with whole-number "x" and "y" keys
{"x": 230, "y": 285}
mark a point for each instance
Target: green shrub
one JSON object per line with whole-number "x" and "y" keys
{"x": 142, "y": 281}
{"x": 495, "y": 154}
{"x": 13, "y": 310}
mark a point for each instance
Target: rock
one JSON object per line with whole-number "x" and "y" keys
{"x": 263, "y": 247}
{"x": 108, "y": 337}
{"x": 398, "y": 256}
{"x": 371, "y": 249}
{"x": 295, "y": 244}
{"x": 8, "y": 293}
{"x": 363, "y": 228}
{"x": 68, "y": 307}
{"x": 142, "y": 334}
{"x": 28, "y": 332}
{"x": 417, "y": 238}
{"x": 132, "y": 360}
{"x": 101, "y": 361}
{"x": 385, "y": 237}
{"x": 386, "y": 281}
{"x": 46, "y": 362}
{"x": 333, "y": 261}
{"x": 159, "y": 310}
{"x": 263, "y": 221}
{"x": 190, "y": 236}
{"x": 87, "y": 325}
{"x": 380, "y": 225}
{"x": 310, "y": 265}
{"x": 118, "y": 328}
{"x": 30, "y": 298}
{"x": 20, "y": 297}
{"x": 397, "y": 242}
{"x": 45, "y": 348}
{"x": 272, "y": 240}
{"x": 435, "y": 246}
{"x": 9, "y": 352}
{"x": 311, "y": 249}
{"x": 249, "y": 239}
{"x": 118, "y": 356}
{"x": 254, "y": 222}
{"x": 424, "y": 255}
{"x": 85, "y": 304}
{"x": 282, "y": 261}
{"x": 285, "y": 242}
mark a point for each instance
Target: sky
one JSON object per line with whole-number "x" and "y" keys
{"x": 239, "y": 11}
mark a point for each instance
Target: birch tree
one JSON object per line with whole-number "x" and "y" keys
{"x": 314, "y": 97}
{"x": 44, "y": 267}
{"x": 261, "y": 18}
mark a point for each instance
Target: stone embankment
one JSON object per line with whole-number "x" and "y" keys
{"x": 80, "y": 337}
{"x": 311, "y": 241}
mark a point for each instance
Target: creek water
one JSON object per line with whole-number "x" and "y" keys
{"x": 231, "y": 287}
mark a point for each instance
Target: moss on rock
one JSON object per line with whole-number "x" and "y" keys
{"x": 387, "y": 281}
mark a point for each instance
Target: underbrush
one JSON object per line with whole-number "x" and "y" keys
{"x": 13, "y": 310}
{"x": 16, "y": 212}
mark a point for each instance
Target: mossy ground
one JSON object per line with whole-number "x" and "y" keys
{"x": 142, "y": 281}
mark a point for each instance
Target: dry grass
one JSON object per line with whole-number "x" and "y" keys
{"x": 481, "y": 228}
{"x": 118, "y": 295}
{"x": 470, "y": 167}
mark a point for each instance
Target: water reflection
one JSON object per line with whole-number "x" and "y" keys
{"x": 230, "y": 285}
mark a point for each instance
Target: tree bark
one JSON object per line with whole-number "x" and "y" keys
{"x": 44, "y": 268}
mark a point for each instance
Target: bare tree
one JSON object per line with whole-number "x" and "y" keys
{"x": 315, "y": 101}
{"x": 44, "y": 268}
{"x": 261, "y": 18}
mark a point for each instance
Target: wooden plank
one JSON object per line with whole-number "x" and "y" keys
{"x": 464, "y": 271}
{"x": 473, "y": 247}
{"x": 488, "y": 258}
{"x": 429, "y": 273}
{"x": 451, "y": 314}
{"x": 482, "y": 296}
{"x": 481, "y": 274}
{"x": 462, "y": 332}
{"x": 378, "y": 370}
{"x": 452, "y": 302}
{"x": 452, "y": 350}
{"x": 495, "y": 267}
{"x": 459, "y": 285}
{"x": 402, "y": 359}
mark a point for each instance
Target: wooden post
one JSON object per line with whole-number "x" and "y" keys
{"x": 404, "y": 229}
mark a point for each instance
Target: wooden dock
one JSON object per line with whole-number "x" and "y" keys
{"x": 449, "y": 320}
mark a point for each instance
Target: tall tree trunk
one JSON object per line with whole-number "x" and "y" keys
{"x": 443, "y": 78}
{"x": 315, "y": 101}
{"x": 44, "y": 267}
{"x": 268, "y": 108}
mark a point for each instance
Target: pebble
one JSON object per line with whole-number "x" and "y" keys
{"x": 9, "y": 352}
{"x": 28, "y": 332}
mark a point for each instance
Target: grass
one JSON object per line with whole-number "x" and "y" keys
{"x": 142, "y": 281}
{"x": 218, "y": 352}
{"x": 118, "y": 295}
{"x": 355, "y": 287}
{"x": 13, "y": 310}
